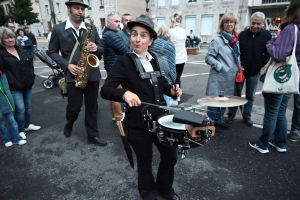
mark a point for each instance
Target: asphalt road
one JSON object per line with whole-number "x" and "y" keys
{"x": 51, "y": 166}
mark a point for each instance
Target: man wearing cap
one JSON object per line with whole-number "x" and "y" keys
{"x": 124, "y": 33}
{"x": 139, "y": 87}
{"x": 63, "y": 39}
{"x": 113, "y": 46}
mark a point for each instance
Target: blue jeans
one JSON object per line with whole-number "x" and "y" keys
{"x": 12, "y": 134}
{"x": 22, "y": 101}
{"x": 216, "y": 114}
{"x": 251, "y": 84}
{"x": 296, "y": 113}
{"x": 275, "y": 123}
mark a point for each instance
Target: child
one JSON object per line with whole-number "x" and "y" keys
{"x": 6, "y": 109}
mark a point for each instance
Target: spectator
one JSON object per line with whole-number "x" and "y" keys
{"x": 178, "y": 37}
{"x": 113, "y": 46}
{"x": 32, "y": 37}
{"x": 26, "y": 44}
{"x": 194, "y": 40}
{"x": 10, "y": 25}
{"x": 254, "y": 56}
{"x": 124, "y": 33}
{"x": 164, "y": 47}
{"x": 11, "y": 136}
{"x": 20, "y": 75}
{"x": 275, "y": 123}
{"x": 223, "y": 56}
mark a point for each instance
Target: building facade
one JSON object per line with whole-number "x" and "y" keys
{"x": 203, "y": 16}
{"x": 35, "y": 28}
{"x": 98, "y": 9}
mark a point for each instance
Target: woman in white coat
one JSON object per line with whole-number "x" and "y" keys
{"x": 178, "y": 37}
{"x": 223, "y": 56}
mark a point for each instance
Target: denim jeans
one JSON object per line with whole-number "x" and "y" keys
{"x": 251, "y": 84}
{"x": 275, "y": 123}
{"x": 22, "y": 101}
{"x": 12, "y": 134}
{"x": 216, "y": 114}
{"x": 296, "y": 113}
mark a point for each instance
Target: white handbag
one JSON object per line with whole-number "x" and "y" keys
{"x": 283, "y": 77}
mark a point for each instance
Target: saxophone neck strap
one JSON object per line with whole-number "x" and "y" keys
{"x": 77, "y": 37}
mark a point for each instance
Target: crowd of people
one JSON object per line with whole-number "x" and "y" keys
{"x": 144, "y": 65}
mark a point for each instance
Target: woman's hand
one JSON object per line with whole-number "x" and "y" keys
{"x": 131, "y": 99}
{"x": 176, "y": 91}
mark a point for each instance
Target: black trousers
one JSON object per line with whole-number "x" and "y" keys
{"x": 142, "y": 141}
{"x": 179, "y": 70}
{"x": 75, "y": 100}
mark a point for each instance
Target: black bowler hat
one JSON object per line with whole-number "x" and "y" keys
{"x": 68, "y": 3}
{"x": 144, "y": 21}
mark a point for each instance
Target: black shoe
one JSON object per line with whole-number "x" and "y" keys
{"x": 68, "y": 130}
{"x": 229, "y": 119}
{"x": 248, "y": 121}
{"x": 174, "y": 197}
{"x": 97, "y": 141}
{"x": 222, "y": 126}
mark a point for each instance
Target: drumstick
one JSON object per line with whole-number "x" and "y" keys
{"x": 163, "y": 107}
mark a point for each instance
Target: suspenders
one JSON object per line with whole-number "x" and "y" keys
{"x": 149, "y": 75}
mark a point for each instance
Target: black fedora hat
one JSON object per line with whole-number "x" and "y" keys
{"x": 68, "y": 3}
{"x": 145, "y": 21}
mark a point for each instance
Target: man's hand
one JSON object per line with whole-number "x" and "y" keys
{"x": 75, "y": 70}
{"x": 132, "y": 99}
{"x": 92, "y": 47}
{"x": 176, "y": 91}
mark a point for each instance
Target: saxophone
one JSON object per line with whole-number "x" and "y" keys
{"x": 87, "y": 60}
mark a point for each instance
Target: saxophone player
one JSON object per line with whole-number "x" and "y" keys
{"x": 63, "y": 39}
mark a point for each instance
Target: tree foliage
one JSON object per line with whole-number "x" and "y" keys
{"x": 22, "y": 10}
{"x": 3, "y": 17}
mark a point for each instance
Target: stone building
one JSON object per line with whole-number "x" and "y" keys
{"x": 98, "y": 9}
{"x": 203, "y": 16}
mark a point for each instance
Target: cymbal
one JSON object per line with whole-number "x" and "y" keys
{"x": 226, "y": 101}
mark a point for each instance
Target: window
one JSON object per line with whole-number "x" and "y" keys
{"x": 161, "y": 21}
{"x": 274, "y": 1}
{"x": 190, "y": 24}
{"x": 47, "y": 9}
{"x": 175, "y": 2}
{"x": 101, "y": 4}
{"x": 207, "y": 24}
{"x": 191, "y": 1}
{"x": 161, "y": 2}
{"x": 7, "y": 8}
{"x": 88, "y": 2}
{"x": 207, "y": 0}
{"x": 57, "y": 8}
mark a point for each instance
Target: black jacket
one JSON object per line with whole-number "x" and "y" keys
{"x": 113, "y": 46}
{"x": 63, "y": 41}
{"x": 254, "y": 54}
{"x": 20, "y": 73}
{"x": 31, "y": 37}
{"x": 124, "y": 72}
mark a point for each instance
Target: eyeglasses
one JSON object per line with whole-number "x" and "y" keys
{"x": 11, "y": 27}
{"x": 229, "y": 23}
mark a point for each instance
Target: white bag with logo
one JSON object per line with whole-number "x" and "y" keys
{"x": 283, "y": 77}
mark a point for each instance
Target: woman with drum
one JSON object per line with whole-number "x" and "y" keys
{"x": 137, "y": 88}
{"x": 224, "y": 58}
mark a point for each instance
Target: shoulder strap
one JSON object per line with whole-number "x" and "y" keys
{"x": 73, "y": 51}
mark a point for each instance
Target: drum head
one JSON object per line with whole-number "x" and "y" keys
{"x": 167, "y": 121}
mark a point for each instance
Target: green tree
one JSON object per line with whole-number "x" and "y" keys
{"x": 3, "y": 17}
{"x": 22, "y": 10}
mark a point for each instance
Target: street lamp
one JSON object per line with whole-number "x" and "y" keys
{"x": 147, "y": 6}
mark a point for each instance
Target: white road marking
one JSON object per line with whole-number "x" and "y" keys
{"x": 187, "y": 75}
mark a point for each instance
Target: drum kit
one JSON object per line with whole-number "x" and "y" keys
{"x": 184, "y": 129}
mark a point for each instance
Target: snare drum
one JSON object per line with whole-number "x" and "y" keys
{"x": 170, "y": 133}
